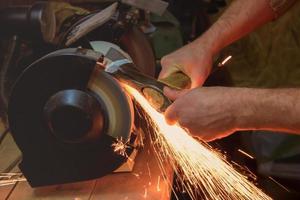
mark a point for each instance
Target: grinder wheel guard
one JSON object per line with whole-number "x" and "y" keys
{"x": 65, "y": 114}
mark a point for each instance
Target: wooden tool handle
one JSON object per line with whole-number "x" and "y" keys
{"x": 177, "y": 80}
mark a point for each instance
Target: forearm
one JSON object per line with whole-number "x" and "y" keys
{"x": 242, "y": 17}
{"x": 268, "y": 109}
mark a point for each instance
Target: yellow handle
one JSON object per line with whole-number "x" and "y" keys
{"x": 177, "y": 80}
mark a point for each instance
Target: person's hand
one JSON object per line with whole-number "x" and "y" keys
{"x": 207, "y": 112}
{"x": 194, "y": 59}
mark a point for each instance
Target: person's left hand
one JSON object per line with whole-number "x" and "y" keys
{"x": 207, "y": 112}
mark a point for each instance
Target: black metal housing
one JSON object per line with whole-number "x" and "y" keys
{"x": 48, "y": 159}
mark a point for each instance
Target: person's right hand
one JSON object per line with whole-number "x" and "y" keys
{"x": 194, "y": 60}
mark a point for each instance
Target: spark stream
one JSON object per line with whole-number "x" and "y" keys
{"x": 203, "y": 171}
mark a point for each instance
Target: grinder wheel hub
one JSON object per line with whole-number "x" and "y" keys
{"x": 74, "y": 116}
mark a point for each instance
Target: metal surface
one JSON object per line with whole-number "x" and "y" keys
{"x": 120, "y": 65}
{"x": 137, "y": 45}
{"x": 36, "y": 21}
{"x": 125, "y": 71}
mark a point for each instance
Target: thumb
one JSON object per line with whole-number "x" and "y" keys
{"x": 167, "y": 67}
{"x": 167, "y": 71}
{"x": 173, "y": 94}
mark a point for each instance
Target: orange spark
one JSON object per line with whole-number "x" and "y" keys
{"x": 221, "y": 64}
{"x": 120, "y": 147}
{"x": 245, "y": 153}
{"x": 149, "y": 171}
{"x": 136, "y": 175}
{"x": 279, "y": 184}
{"x": 158, "y": 184}
{"x": 145, "y": 193}
{"x": 203, "y": 171}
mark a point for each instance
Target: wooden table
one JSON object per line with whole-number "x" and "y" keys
{"x": 145, "y": 182}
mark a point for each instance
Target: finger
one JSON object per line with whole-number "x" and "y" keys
{"x": 197, "y": 80}
{"x": 210, "y": 139}
{"x": 171, "y": 114}
{"x": 198, "y": 76}
{"x": 173, "y": 94}
{"x": 168, "y": 67}
{"x": 167, "y": 71}
{"x": 202, "y": 137}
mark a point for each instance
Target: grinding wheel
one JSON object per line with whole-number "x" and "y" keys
{"x": 118, "y": 105}
{"x": 65, "y": 114}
